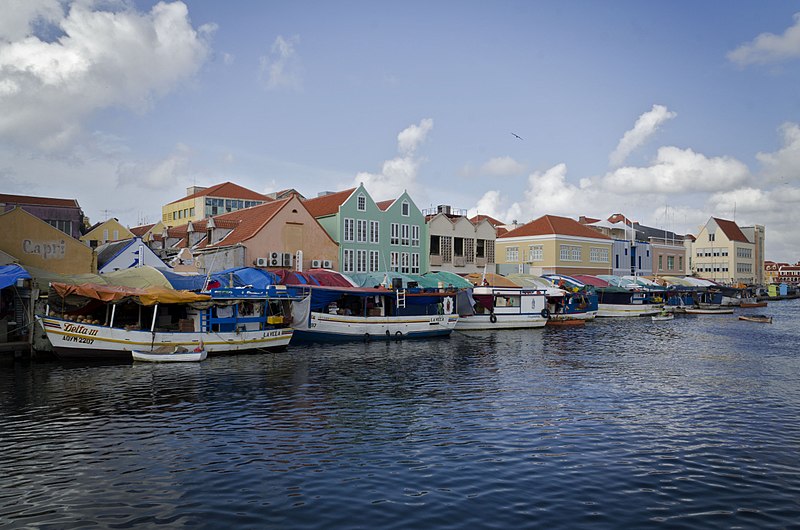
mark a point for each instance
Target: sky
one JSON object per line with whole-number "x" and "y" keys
{"x": 668, "y": 112}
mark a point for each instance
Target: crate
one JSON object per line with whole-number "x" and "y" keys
{"x": 275, "y": 319}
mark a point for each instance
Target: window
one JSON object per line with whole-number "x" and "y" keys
{"x": 671, "y": 263}
{"x": 362, "y": 203}
{"x": 361, "y": 261}
{"x": 680, "y": 262}
{"x": 512, "y": 254}
{"x": 415, "y": 263}
{"x": 361, "y": 233}
{"x": 414, "y": 235}
{"x": 404, "y": 235}
{"x": 404, "y": 263}
{"x": 661, "y": 263}
{"x": 469, "y": 250}
{"x": 458, "y": 247}
{"x": 374, "y": 261}
{"x": 105, "y": 234}
{"x": 405, "y": 209}
{"x": 710, "y": 236}
{"x": 435, "y": 245}
{"x": 447, "y": 249}
{"x": 395, "y": 260}
{"x": 116, "y": 235}
{"x": 536, "y": 253}
{"x": 375, "y": 232}
{"x": 480, "y": 248}
{"x": 570, "y": 253}
{"x": 349, "y": 227}
{"x": 349, "y": 265}
{"x": 395, "y": 234}
{"x": 599, "y": 255}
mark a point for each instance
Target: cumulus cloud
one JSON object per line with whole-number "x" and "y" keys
{"x": 100, "y": 59}
{"x": 678, "y": 170}
{"x": 769, "y": 48}
{"x": 784, "y": 164}
{"x": 281, "y": 69}
{"x": 501, "y": 166}
{"x": 646, "y": 126}
{"x": 20, "y": 17}
{"x": 399, "y": 173}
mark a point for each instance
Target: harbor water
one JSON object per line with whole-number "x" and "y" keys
{"x": 626, "y": 423}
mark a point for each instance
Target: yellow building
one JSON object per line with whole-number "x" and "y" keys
{"x": 553, "y": 245}
{"x": 723, "y": 253}
{"x": 201, "y": 203}
{"x": 102, "y": 233}
{"x": 36, "y": 243}
{"x": 149, "y": 232}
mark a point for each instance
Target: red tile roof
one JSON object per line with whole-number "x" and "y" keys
{"x": 139, "y": 231}
{"x": 227, "y": 190}
{"x": 478, "y": 218}
{"x": 248, "y": 222}
{"x": 384, "y": 205}
{"x": 38, "y": 201}
{"x": 327, "y": 204}
{"x": 553, "y": 224}
{"x": 731, "y": 230}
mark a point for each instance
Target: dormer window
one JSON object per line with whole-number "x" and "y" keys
{"x": 362, "y": 203}
{"x": 404, "y": 209}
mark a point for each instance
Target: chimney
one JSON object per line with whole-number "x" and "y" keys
{"x": 191, "y": 190}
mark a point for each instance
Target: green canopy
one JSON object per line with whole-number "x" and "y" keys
{"x": 137, "y": 277}
{"x": 449, "y": 278}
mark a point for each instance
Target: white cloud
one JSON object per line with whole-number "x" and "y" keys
{"x": 784, "y": 164}
{"x": 678, "y": 170}
{"x": 101, "y": 59}
{"x": 646, "y": 126}
{"x": 281, "y": 69}
{"x": 503, "y": 166}
{"x": 769, "y": 48}
{"x": 399, "y": 173}
{"x": 20, "y": 17}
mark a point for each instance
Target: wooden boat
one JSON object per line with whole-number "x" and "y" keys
{"x": 753, "y": 304}
{"x": 505, "y": 308}
{"x": 110, "y": 322}
{"x": 340, "y": 314}
{"x": 565, "y": 323}
{"x": 709, "y": 310}
{"x": 764, "y": 319}
{"x": 662, "y": 317}
{"x": 177, "y": 354}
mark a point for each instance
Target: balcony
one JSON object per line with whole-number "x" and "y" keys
{"x": 436, "y": 260}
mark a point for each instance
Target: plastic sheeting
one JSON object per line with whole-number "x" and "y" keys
{"x": 137, "y": 277}
{"x": 448, "y": 279}
{"x": 116, "y": 293}
{"x": 9, "y": 274}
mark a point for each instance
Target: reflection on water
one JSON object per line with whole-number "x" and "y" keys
{"x": 624, "y": 423}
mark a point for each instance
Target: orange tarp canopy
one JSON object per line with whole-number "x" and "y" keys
{"x": 116, "y": 293}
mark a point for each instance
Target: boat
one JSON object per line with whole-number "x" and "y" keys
{"x": 340, "y": 314}
{"x": 565, "y": 323}
{"x": 753, "y": 304}
{"x": 502, "y": 308}
{"x": 708, "y": 310}
{"x": 663, "y": 316}
{"x": 171, "y": 355}
{"x": 756, "y": 318}
{"x": 102, "y": 322}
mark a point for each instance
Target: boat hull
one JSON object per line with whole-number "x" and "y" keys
{"x": 324, "y": 327}
{"x": 628, "y": 310}
{"x": 169, "y": 357}
{"x": 92, "y": 342}
{"x": 482, "y": 322}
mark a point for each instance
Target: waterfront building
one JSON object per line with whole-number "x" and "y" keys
{"x": 36, "y": 243}
{"x": 202, "y": 202}
{"x": 776, "y": 273}
{"x": 276, "y": 234}
{"x": 148, "y": 232}
{"x": 126, "y": 254}
{"x": 457, "y": 244}
{"x": 64, "y": 214}
{"x": 387, "y": 236}
{"x": 723, "y": 253}
{"x": 104, "y": 232}
{"x": 553, "y": 245}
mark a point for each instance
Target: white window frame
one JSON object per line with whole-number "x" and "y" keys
{"x": 361, "y": 260}
{"x": 361, "y": 203}
{"x": 570, "y": 253}
{"x": 348, "y": 233}
{"x": 404, "y": 261}
{"x": 395, "y": 239}
{"x": 414, "y": 235}
{"x": 404, "y": 238}
{"x": 374, "y": 261}
{"x": 395, "y": 261}
{"x": 348, "y": 260}
{"x": 415, "y": 263}
{"x": 375, "y": 232}
{"x": 361, "y": 230}
{"x": 598, "y": 255}
{"x": 405, "y": 209}
{"x": 536, "y": 253}
{"x": 512, "y": 254}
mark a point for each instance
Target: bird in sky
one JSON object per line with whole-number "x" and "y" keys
{"x": 517, "y": 136}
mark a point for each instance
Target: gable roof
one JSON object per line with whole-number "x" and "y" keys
{"x": 139, "y": 231}
{"x": 731, "y": 230}
{"x": 478, "y": 218}
{"x": 248, "y": 222}
{"x": 228, "y": 190}
{"x": 327, "y": 204}
{"x": 554, "y": 224}
{"x": 384, "y": 205}
{"x": 109, "y": 251}
{"x": 38, "y": 201}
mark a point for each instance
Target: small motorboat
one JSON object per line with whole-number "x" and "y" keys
{"x": 178, "y": 354}
{"x": 709, "y": 310}
{"x": 663, "y": 316}
{"x": 764, "y": 319}
{"x": 753, "y": 304}
{"x": 566, "y": 322}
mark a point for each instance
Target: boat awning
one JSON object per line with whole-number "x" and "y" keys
{"x": 591, "y": 280}
{"x": 116, "y": 293}
{"x": 9, "y": 274}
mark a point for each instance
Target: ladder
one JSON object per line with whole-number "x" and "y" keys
{"x": 401, "y": 298}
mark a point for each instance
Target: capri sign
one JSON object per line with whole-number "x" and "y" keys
{"x": 46, "y": 250}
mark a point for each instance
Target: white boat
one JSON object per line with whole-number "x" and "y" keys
{"x": 708, "y": 310}
{"x": 177, "y": 354}
{"x": 619, "y": 302}
{"x": 764, "y": 319}
{"x": 98, "y": 322}
{"x": 504, "y": 308}
{"x": 340, "y": 314}
{"x": 662, "y": 317}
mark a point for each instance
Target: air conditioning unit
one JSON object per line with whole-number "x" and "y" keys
{"x": 327, "y": 264}
{"x": 316, "y": 264}
{"x": 287, "y": 259}
{"x": 275, "y": 259}
{"x": 262, "y": 262}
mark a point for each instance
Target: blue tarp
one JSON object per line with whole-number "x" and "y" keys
{"x": 184, "y": 282}
{"x": 9, "y": 274}
{"x": 239, "y": 276}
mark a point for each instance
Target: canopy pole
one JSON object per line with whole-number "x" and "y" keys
{"x": 113, "y": 312}
{"x": 155, "y": 313}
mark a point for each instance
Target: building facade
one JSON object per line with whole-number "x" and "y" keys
{"x": 554, "y": 245}
{"x": 102, "y": 233}
{"x": 200, "y": 203}
{"x": 722, "y": 252}
{"x": 458, "y": 244}
{"x": 63, "y": 214}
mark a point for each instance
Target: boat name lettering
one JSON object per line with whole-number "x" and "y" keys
{"x": 83, "y": 330}
{"x": 438, "y": 319}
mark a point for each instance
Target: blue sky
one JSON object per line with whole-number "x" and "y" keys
{"x": 669, "y": 113}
